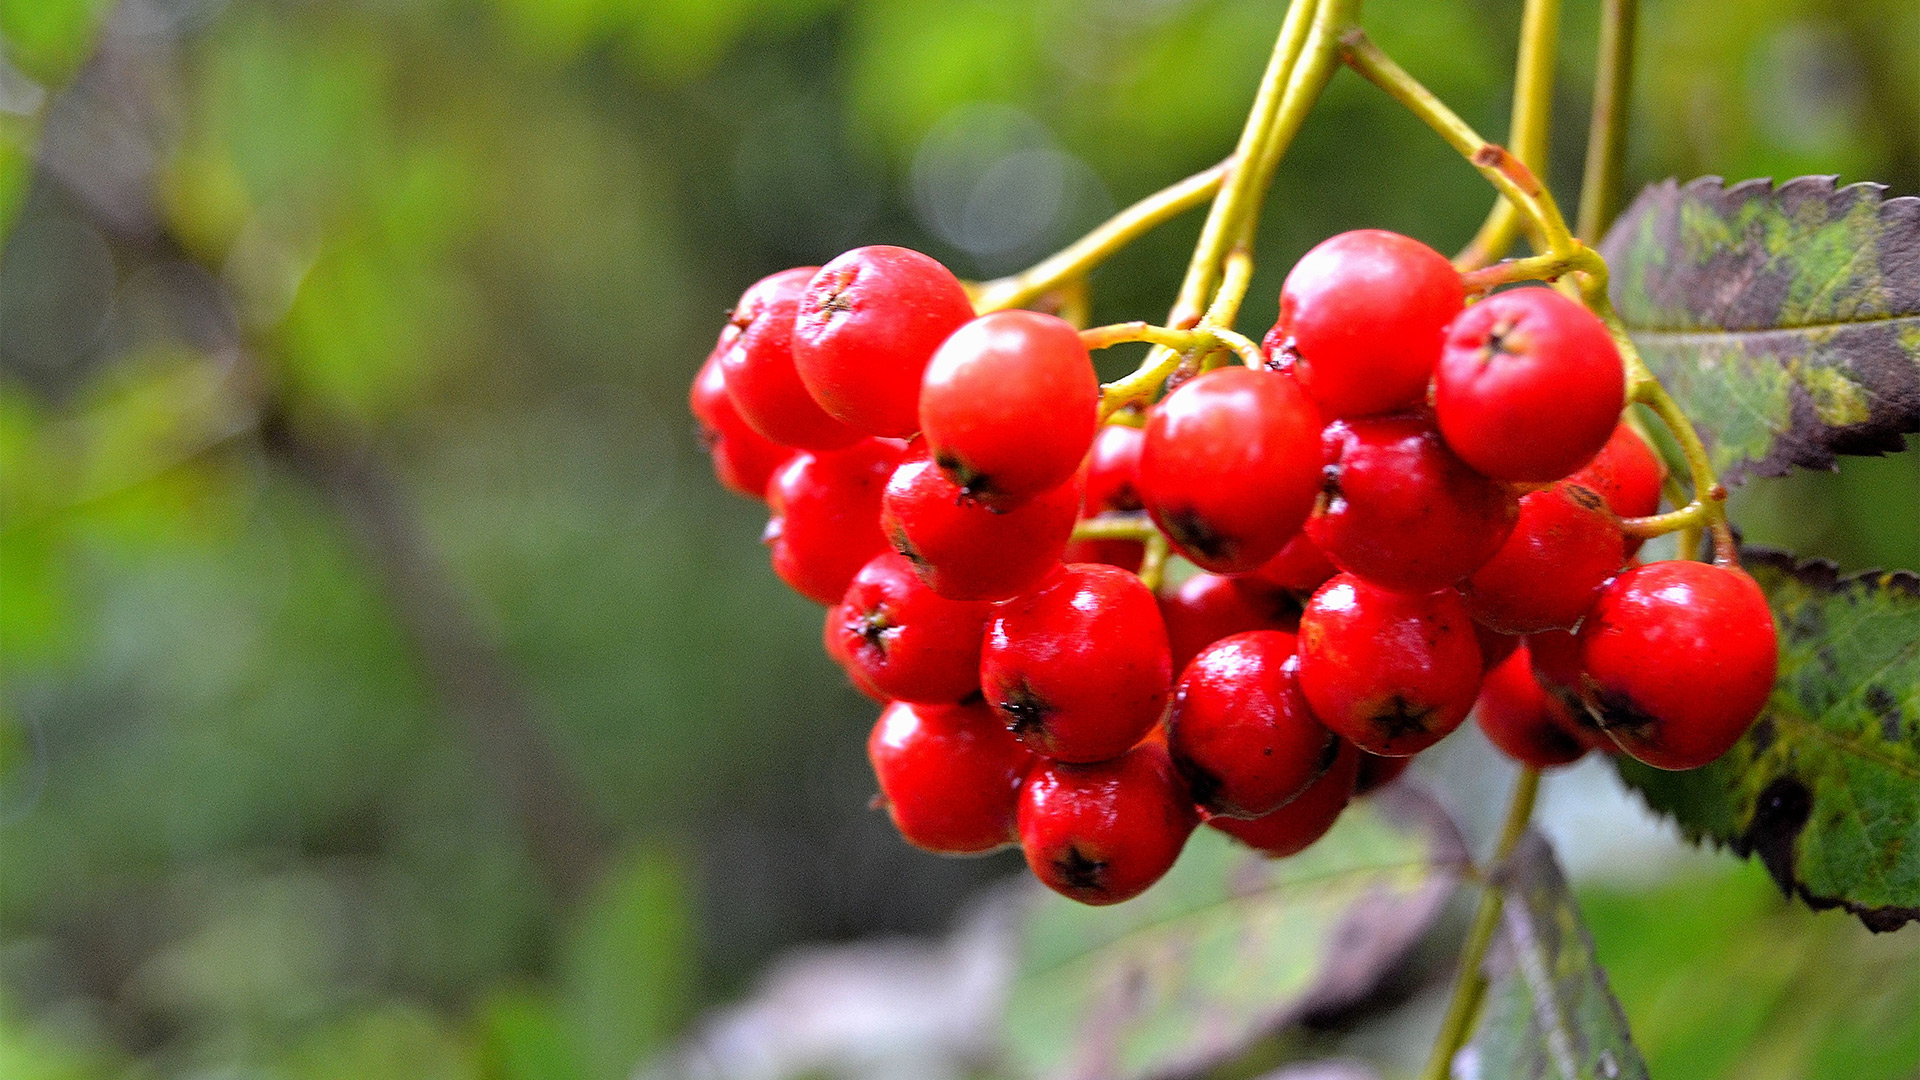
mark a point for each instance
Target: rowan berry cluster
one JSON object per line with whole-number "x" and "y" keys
{"x": 1411, "y": 505}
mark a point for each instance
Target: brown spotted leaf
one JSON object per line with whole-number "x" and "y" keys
{"x": 1826, "y": 786}
{"x": 1229, "y": 947}
{"x": 1549, "y": 1014}
{"x": 1785, "y": 320}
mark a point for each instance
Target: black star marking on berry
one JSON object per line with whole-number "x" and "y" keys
{"x": 872, "y": 628}
{"x": 1187, "y": 528}
{"x": 1616, "y": 711}
{"x": 1401, "y": 718}
{"x": 1025, "y": 709}
{"x": 972, "y": 483}
{"x": 1079, "y": 872}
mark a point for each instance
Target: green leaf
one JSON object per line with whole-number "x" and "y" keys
{"x": 628, "y": 962}
{"x": 1786, "y": 321}
{"x": 1826, "y": 786}
{"x": 1722, "y": 979}
{"x": 1228, "y": 947}
{"x": 1549, "y": 1014}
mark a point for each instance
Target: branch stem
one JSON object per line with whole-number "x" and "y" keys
{"x": 1172, "y": 346}
{"x": 1470, "y": 986}
{"x": 1077, "y": 258}
{"x": 1506, "y": 172}
{"x": 1127, "y": 526}
{"x": 1607, "y": 133}
{"x": 1528, "y": 132}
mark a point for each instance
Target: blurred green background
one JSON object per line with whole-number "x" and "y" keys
{"x": 386, "y": 688}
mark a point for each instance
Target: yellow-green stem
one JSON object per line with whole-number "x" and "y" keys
{"x": 1081, "y": 256}
{"x": 1507, "y": 174}
{"x": 1607, "y": 133}
{"x": 1173, "y": 343}
{"x": 1528, "y": 131}
{"x": 1153, "y": 564}
{"x": 1470, "y": 985}
{"x": 1134, "y": 526}
{"x": 1243, "y": 183}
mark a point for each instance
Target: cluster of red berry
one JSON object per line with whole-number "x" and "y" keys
{"x": 1414, "y": 504}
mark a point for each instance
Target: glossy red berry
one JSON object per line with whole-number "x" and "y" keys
{"x": 1677, "y": 659}
{"x": 1299, "y": 568}
{"x": 1230, "y": 466}
{"x": 1518, "y": 717}
{"x": 964, "y": 550}
{"x": 1377, "y": 772}
{"x": 1009, "y": 405}
{"x": 1294, "y": 827}
{"x": 1101, "y": 833}
{"x": 1529, "y": 386}
{"x": 832, "y": 645}
{"x": 1207, "y": 607}
{"x": 1079, "y": 667}
{"x": 1494, "y": 645}
{"x": 743, "y": 459}
{"x": 905, "y": 640}
{"x": 1628, "y": 474}
{"x": 1564, "y": 547}
{"x": 1240, "y": 731}
{"x": 1401, "y": 511}
{"x": 756, "y": 354}
{"x": 1361, "y": 319}
{"x": 1113, "y": 476}
{"x": 826, "y": 516}
{"x": 949, "y": 775}
{"x": 866, "y": 326}
{"x": 1391, "y": 672}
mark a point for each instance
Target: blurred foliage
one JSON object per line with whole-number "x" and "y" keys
{"x": 1722, "y": 978}
{"x": 241, "y": 829}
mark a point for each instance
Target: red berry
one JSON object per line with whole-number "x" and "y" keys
{"x": 1555, "y": 658}
{"x": 1517, "y": 716}
{"x": 1361, "y": 319}
{"x": 1009, "y": 405}
{"x": 949, "y": 775}
{"x": 826, "y": 510}
{"x": 865, "y": 329}
{"x": 964, "y": 550}
{"x": 1240, "y": 733}
{"x": 1391, "y": 672}
{"x": 905, "y": 640}
{"x": 1208, "y": 607}
{"x": 1079, "y": 667}
{"x": 1529, "y": 386}
{"x": 756, "y": 353}
{"x": 1401, "y": 511}
{"x": 1562, "y": 550}
{"x": 1294, "y": 827}
{"x": 1101, "y": 833}
{"x": 1230, "y": 466}
{"x": 1628, "y": 474}
{"x": 835, "y": 649}
{"x": 1377, "y": 772}
{"x": 1494, "y": 645}
{"x": 1300, "y": 568}
{"x": 1677, "y": 659}
{"x": 1113, "y": 475}
{"x": 743, "y": 458}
